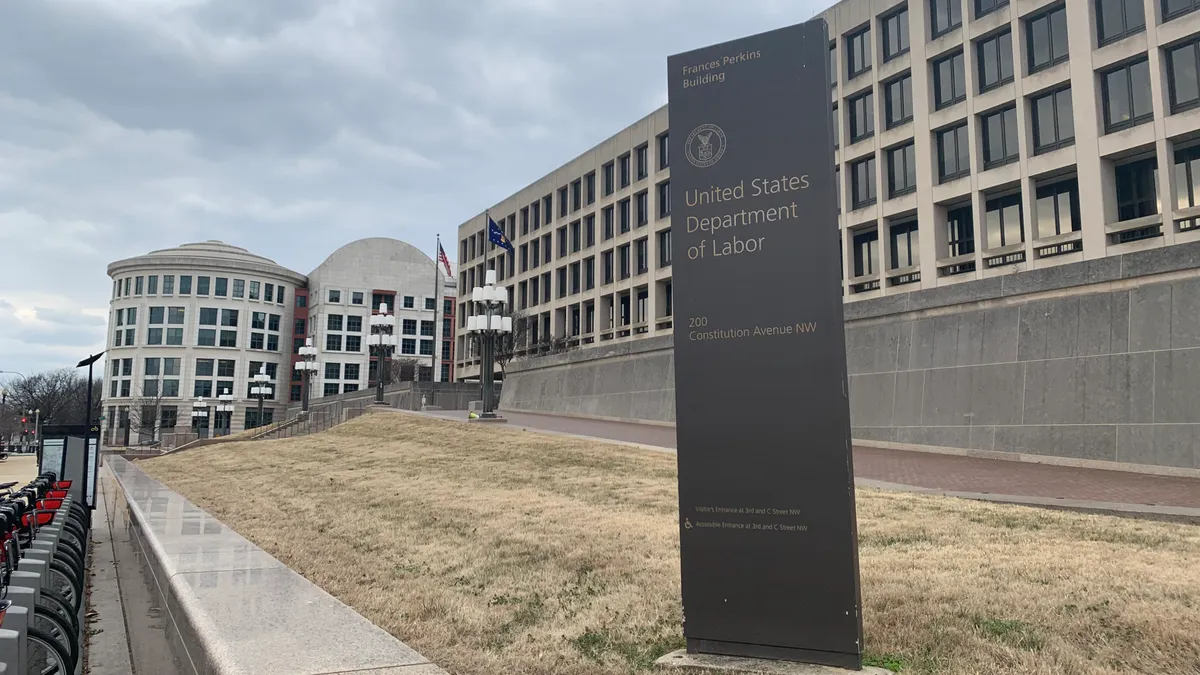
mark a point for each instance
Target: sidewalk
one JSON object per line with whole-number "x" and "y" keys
{"x": 971, "y": 477}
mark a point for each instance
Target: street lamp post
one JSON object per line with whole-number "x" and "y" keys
{"x": 225, "y": 405}
{"x": 200, "y": 416}
{"x": 382, "y": 341}
{"x": 261, "y": 390}
{"x": 490, "y": 325}
{"x": 36, "y": 413}
{"x": 307, "y": 367}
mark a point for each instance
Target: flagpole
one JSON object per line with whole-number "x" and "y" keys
{"x": 437, "y": 309}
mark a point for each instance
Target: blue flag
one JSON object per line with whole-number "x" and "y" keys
{"x": 496, "y": 236}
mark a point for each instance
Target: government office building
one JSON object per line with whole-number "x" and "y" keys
{"x": 973, "y": 139}
{"x": 199, "y": 320}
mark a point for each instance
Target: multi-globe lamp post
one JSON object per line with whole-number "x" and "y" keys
{"x": 225, "y": 405}
{"x": 261, "y": 390}
{"x": 490, "y": 326}
{"x": 200, "y": 417}
{"x": 382, "y": 341}
{"x": 306, "y": 367}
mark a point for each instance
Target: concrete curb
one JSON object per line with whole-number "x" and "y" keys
{"x": 233, "y": 608}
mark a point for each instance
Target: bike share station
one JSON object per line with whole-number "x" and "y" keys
{"x": 46, "y": 528}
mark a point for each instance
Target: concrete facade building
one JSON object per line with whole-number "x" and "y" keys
{"x": 195, "y": 321}
{"x": 1012, "y": 174}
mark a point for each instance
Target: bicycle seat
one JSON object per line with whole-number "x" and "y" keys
{"x": 6, "y": 486}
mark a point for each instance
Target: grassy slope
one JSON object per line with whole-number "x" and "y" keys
{"x": 499, "y": 551}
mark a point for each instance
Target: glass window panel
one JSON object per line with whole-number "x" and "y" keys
{"x": 1045, "y": 217}
{"x": 994, "y": 233}
{"x": 1140, "y": 73}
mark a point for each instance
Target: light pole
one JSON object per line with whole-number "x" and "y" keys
{"x": 261, "y": 390}
{"x": 200, "y": 416}
{"x": 381, "y": 341}
{"x": 307, "y": 367}
{"x": 87, "y": 445}
{"x": 489, "y": 324}
{"x": 225, "y": 405}
{"x": 37, "y": 426}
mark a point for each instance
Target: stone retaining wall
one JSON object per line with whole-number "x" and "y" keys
{"x": 1097, "y": 360}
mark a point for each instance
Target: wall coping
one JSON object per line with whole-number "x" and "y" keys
{"x": 239, "y": 610}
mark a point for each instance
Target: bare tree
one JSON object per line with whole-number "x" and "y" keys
{"x": 508, "y": 344}
{"x": 145, "y": 412}
{"x": 60, "y": 395}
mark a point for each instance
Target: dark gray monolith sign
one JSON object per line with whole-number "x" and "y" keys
{"x": 766, "y": 485}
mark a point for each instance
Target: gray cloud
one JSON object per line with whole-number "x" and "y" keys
{"x": 293, "y": 126}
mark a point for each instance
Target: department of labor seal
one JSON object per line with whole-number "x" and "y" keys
{"x": 705, "y": 145}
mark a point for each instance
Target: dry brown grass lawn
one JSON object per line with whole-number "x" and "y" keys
{"x": 499, "y": 551}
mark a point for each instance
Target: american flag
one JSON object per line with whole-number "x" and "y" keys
{"x": 444, "y": 260}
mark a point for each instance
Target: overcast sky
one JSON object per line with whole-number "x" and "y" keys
{"x": 291, "y": 127}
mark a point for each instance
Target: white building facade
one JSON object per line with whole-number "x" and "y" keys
{"x": 974, "y": 138}
{"x": 190, "y": 323}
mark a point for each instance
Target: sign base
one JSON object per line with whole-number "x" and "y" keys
{"x": 738, "y": 664}
{"x": 720, "y": 648}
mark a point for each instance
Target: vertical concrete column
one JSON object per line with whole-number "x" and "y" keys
{"x": 1161, "y": 100}
{"x": 1087, "y": 104}
{"x": 919, "y": 28}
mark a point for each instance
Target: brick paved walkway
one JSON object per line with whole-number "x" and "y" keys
{"x": 952, "y": 473}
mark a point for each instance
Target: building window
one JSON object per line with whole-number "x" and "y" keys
{"x": 664, "y": 248}
{"x": 1137, "y": 189}
{"x": 862, "y": 116}
{"x": 902, "y": 170}
{"x": 862, "y": 179}
{"x": 837, "y": 127}
{"x": 576, "y": 236}
{"x": 333, "y": 343}
{"x": 152, "y": 285}
{"x": 1053, "y": 121}
{"x": 256, "y": 341}
{"x": 1117, "y": 19}
{"x": 606, "y": 265}
{"x": 207, "y": 337}
{"x": 623, "y": 169}
{"x": 984, "y": 7}
{"x": 904, "y": 245}
{"x": 1004, "y": 226}
{"x": 642, "y": 163}
{"x": 1057, "y": 208}
{"x": 1127, "y": 96}
{"x": 577, "y": 194}
{"x": 837, "y": 187}
{"x": 664, "y": 146}
{"x": 895, "y": 34}
{"x": 409, "y": 327}
{"x": 410, "y": 301}
{"x": 353, "y": 324}
{"x": 944, "y": 16}
{"x": 954, "y": 153}
{"x": 333, "y": 371}
{"x": 1000, "y": 138}
{"x": 866, "y": 253}
{"x": 1046, "y": 35}
{"x": 332, "y": 322}
{"x": 334, "y": 296}
{"x": 208, "y": 316}
{"x": 995, "y": 61}
{"x": 960, "y": 231}
{"x": 1183, "y": 76}
{"x": 1172, "y": 9}
{"x": 330, "y": 389}
{"x": 408, "y": 346}
{"x": 609, "y": 182}
{"x": 562, "y": 202}
{"x": 229, "y": 338}
{"x": 563, "y": 244}
{"x": 353, "y": 343}
{"x": 898, "y": 101}
{"x": 623, "y": 215}
{"x": 175, "y": 336}
{"x": 254, "y": 288}
{"x": 185, "y": 285}
{"x": 643, "y": 207}
{"x": 229, "y": 317}
{"x": 858, "y": 52}
{"x": 833, "y": 65}
{"x": 138, "y": 282}
{"x": 607, "y": 217}
{"x": 1187, "y": 178}
{"x": 664, "y": 199}
{"x": 949, "y": 81}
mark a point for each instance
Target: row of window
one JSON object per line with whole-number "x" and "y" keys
{"x": 1046, "y": 34}
{"x": 621, "y": 217}
{"x": 334, "y": 297}
{"x": 206, "y": 286}
{"x": 1056, "y": 212}
{"x": 335, "y": 342}
{"x": 160, "y": 377}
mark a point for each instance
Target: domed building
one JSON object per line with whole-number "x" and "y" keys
{"x": 199, "y": 320}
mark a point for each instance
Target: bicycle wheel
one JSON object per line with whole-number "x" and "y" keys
{"x": 51, "y": 624}
{"x": 63, "y": 580}
{"x": 46, "y": 655}
{"x": 68, "y": 557}
{"x": 53, "y": 601}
